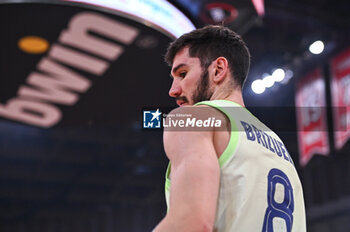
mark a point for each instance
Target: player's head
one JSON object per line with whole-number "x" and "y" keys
{"x": 208, "y": 44}
{"x": 211, "y": 42}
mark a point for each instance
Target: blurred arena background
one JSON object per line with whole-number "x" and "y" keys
{"x": 75, "y": 76}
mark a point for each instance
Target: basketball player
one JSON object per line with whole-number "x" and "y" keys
{"x": 238, "y": 179}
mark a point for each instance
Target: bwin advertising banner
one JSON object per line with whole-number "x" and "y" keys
{"x": 70, "y": 63}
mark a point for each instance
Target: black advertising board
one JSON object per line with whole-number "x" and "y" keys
{"x": 96, "y": 66}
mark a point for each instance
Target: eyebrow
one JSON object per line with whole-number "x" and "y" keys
{"x": 176, "y": 68}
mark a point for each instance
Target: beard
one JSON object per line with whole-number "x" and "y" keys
{"x": 202, "y": 93}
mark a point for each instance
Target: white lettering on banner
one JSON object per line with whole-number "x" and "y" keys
{"x": 78, "y": 60}
{"x": 55, "y": 83}
{"x": 345, "y": 120}
{"x": 56, "y": 86}
{"x": 345, "y": 85}
{"x": 31, "y": 112}
{"x": 311, "y": 110}
{"x": 312, "y": 137}
{"x": 78, "y": 35}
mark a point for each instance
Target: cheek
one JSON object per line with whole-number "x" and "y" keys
{"x": 189, "y": 83}
{"x": 186, "y": 88}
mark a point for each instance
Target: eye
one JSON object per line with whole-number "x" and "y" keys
{"x": 182, "y": 74}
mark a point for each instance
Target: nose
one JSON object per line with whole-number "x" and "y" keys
{"x": 175, "y": 89}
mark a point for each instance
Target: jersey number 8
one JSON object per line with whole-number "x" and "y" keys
{"x": 280, "y": 206}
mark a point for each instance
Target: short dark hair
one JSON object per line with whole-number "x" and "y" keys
{"x": 211, "y": 42}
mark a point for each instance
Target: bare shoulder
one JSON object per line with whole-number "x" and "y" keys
{"x": 216, "y": 113}
{"x": 192, "y": 127}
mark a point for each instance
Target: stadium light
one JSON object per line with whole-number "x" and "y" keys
{"x": 316, "y": 47}
{"x": 258, "y": 86}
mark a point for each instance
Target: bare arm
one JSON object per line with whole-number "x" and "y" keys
{"x": 195, "y": 176}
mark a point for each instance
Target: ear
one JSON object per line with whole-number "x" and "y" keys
{"x": 220, "y": 69}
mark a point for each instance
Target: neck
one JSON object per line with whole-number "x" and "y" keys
{"x": 227, "y": 93}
